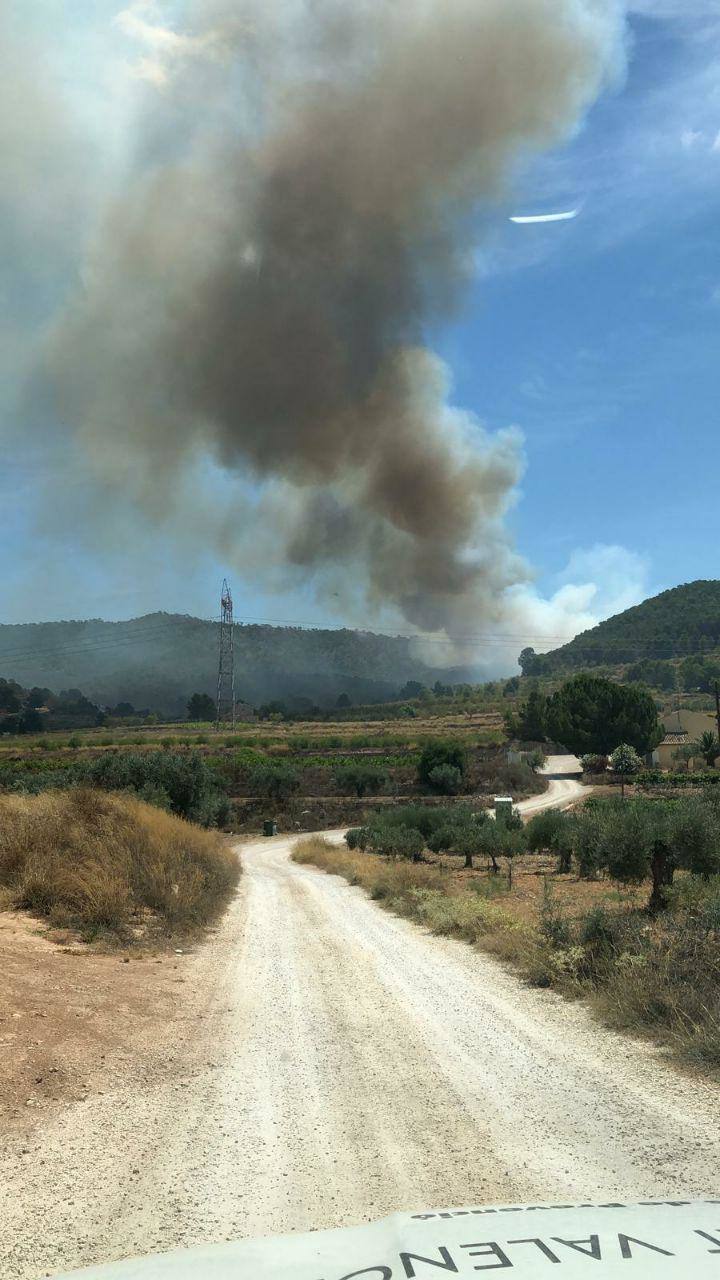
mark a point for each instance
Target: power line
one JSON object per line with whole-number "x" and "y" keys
{"x": 657, "y": 645}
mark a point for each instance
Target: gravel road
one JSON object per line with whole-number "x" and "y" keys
{"x": 334, "y": 1063}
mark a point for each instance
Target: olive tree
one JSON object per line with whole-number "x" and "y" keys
{"x": 625, "y": 762}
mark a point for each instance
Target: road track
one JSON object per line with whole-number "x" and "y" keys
{"x": 334, "y": 1063}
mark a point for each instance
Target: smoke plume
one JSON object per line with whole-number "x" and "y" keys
{"x": 303, "y": 200}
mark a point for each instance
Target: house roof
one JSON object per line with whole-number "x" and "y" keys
{"x": 677, "y": 738}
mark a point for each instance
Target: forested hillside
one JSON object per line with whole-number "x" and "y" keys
{"x": 682, "y": 622}
{"x": 157, "y": 661}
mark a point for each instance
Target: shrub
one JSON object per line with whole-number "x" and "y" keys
{"x": 438, "y": 754}
{"x": 275, "y": 780}
{"x": 597, "y": 764}
{"x": 535, "y": 759}
{"x": 398, "y": 842}
{"x": 356, "y": 838}
{"x": 186, "y": 780}
{"x": 361, "y": 778}
{"x": 555, "y": 928}
{"x": 446, "y": 780}
{"x": 99, "y": 860}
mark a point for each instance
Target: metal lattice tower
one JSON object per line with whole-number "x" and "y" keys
{"x": 226, "y": 662}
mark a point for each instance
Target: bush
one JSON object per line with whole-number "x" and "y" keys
{"x": 186, "y": 780}
{"x": 99, "y": 860}
{"x": 363, "y": 779}
{"x": 535, "y": 759}
{"x": 439, "y": 754}
{"x": 445, "y": 780}
{"x": 275, "y": 780}
{"x": 596, "y": 764}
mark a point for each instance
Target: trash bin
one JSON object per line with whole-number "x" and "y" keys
{"x": 270, "y": 828}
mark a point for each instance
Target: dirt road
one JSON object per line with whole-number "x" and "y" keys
{"x": 561, "y": 792}
{"x": 333, "y": 1063}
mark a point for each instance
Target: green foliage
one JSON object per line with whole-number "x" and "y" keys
{"x": 654, "y": 778}
{"x": 552, "y": 831}
{"x": 398, "y": 842}
{"x": 637, "y": 840}
{"x": 555, "y": 928}
{"x": 653, "y": 672}
{"x": 190, "y": 786}
{"x": 698, "y": 675}
{"x": 529, "y": 724}
{"x": 542, "y": 831}
{"x": 446, "y": 780}
{"x": 591, "y": 714}
{"x": 436, "y": 755}
{"x": 363, "y": 779}
{"x": 676, "y": 623}
{"x": 201, "y": 707}
{"x": 592, "y": 763}
{"x": 442, "y": 829}
{"x": 625, "y": 762}
{"x": 275, "y": 780}
{"x": 183, "y": 784}
{"x": 709, "y": 748}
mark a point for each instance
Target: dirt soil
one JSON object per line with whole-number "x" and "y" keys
{"x": 316, "y": 1063}
{"x": 68, "y": 1015}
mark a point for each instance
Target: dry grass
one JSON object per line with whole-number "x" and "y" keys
{"x": 105, "y": 863}
{"x": 658, "y": 978}
{"x": 421, "y": 893}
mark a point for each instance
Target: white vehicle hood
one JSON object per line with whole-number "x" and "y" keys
{"x": 645, "y": 1240}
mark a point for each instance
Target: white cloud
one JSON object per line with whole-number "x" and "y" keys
{"x": 618, "y": 577}
{"x": 690, "y": 138}
{"x": 597, "y": 582}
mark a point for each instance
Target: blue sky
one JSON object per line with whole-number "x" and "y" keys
{"x": 596, "y": 338}
{"x": 599, "y": 337}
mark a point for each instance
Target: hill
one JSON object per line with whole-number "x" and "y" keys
{"x": 158, "y": 660}
{"x": 679, "y": 623}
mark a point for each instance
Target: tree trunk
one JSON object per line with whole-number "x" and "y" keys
{"x": 662, "y": 878}
{"x": 469, "y": 862}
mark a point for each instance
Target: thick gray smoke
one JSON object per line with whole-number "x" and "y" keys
{"x": 303, "y": 203}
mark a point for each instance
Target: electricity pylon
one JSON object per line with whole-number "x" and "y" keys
{"x": 226, "y": 663}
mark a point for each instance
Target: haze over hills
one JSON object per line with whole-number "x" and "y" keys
{"x": 681, "y": 622}
{"x": 158, "y": 660}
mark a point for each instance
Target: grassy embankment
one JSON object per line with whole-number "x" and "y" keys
{"x": 658, "y": 977}
{"x": 111, "y": 866}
